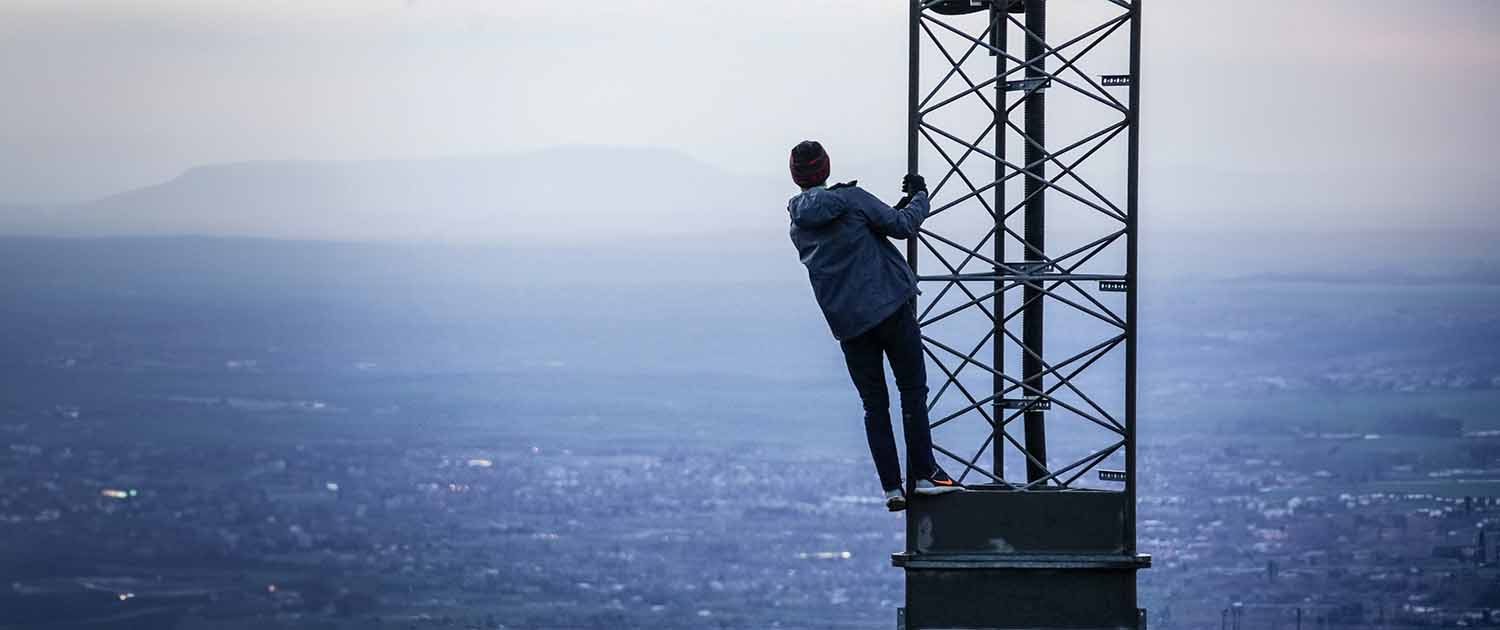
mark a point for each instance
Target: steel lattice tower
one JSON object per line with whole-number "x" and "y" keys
{"x": 1045, "y": 245}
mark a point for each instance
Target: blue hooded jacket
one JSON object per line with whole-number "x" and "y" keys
{"x": 858, "y": 276}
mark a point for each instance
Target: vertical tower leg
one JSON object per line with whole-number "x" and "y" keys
{"x": 1036, "y": 217}
{"x": 998, "y": 37}
{"x": 913, "y": 128}
{"x": 1131, "y": 265}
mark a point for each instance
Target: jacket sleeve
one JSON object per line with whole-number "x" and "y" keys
{"x": 888, "y": 221}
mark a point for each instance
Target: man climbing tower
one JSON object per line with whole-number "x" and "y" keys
{"x": 868, "y": 294}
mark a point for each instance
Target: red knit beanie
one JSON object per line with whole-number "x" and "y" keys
{"x": 809, "y": 164}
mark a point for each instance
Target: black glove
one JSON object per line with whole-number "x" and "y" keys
{"x": 913, "y": 183}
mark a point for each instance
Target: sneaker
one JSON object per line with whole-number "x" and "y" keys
{"x": 938, "y": 483}
{"x": 895, "y": 501}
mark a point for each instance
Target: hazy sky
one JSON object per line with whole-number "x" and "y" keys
{"x": 1379, "y": 108}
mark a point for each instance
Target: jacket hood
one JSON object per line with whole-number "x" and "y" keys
{"x": 815, "y": 208}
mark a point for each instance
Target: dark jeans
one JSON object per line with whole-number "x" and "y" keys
{"x": 898, "y": 339}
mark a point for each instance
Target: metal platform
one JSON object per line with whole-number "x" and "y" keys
{"x": 986, "y": 520}
{"x": 1022, "y": 598}
{"x": 988, "y": 554}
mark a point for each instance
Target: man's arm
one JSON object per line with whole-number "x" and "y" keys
{"x": 893, "y": 222}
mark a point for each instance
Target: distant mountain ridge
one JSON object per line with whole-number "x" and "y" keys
{"x": 569, "y": 193}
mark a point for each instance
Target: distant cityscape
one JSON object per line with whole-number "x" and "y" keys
{"x": 378, "y": 533}
{"x": 184, "y": 447}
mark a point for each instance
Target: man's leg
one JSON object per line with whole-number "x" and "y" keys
{"x": 867, "y": 370}
{"x": 903, "y": 342}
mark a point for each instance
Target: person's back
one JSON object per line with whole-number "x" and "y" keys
{"x": 858, "y": 276}
{"x": 867, "y": 293}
